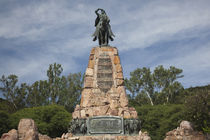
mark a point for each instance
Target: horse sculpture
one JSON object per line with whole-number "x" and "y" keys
{"x": 103, "y": 29}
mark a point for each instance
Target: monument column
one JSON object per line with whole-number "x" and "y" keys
{"x": 104, "y": 92}
{"x": 104, "y": 107}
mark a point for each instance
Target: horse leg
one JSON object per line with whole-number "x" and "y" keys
{"x": 99, "y": 38}
{"x": 107, "y": 38}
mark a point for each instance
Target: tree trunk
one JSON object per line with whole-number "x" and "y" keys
{"x": 150, "y": 99}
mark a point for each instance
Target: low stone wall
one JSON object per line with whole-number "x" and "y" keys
{"x": 27, "y": 130}
{"x": 141, "y": 136}
{"x": 185, "y": 132}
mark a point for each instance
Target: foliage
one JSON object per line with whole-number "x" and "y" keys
{"x": 51, "y": 120}
{"x": 6, "y": 106}
{"x": 70, "y": 91}
{"x": 160, "y": 86}
{"x": 61, "y": 90}
{"x": 12, "y": 92}
{"x": 54, "y": 80}
{"x": 38, "y": 94}
{"x": 4, "y": 122}
{"x": 198, "y": 109}
{"x": 159, "y": 119}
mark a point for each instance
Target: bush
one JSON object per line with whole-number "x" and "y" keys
{"x": 198, "y": 109}
{"x": 159, "y": 119}
{"x": 6, "y": 106}
{"x": 52, "y": 120}
{"x": 4, "y": 122}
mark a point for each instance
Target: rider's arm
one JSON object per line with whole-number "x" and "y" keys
{"x": 108, "y": 20}
{"x": 97, "y": 12}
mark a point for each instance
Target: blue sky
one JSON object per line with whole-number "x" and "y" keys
{"x": 36, "y": 33}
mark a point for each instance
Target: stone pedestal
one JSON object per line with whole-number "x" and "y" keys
{"x": 104, "y": 93}
{"x": 104, "y": 106}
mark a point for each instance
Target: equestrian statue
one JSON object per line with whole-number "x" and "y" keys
{"x": 103, "y": 30}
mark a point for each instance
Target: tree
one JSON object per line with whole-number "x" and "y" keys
{"x": 166, "y": 83}
{"x": 62, "y": 90}
{"x": 12, "y": 92}
{"x": 70, "y": 91}
{"x": 6, "y": 106}
{"x": 197, "y": 109}
{"x": 140, "y": 82}
{"x": 38, "y": 94}
{"x": 22, "y": 92}
{"x": 53, "y": 74}
{"x": 160, "y": 86}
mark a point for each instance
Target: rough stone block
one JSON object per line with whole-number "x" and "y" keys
{"x": 107, "y": 49}
{"x": 114, "y": 104}
{"x": 103, "y": 109}
{"x": 118, "y": 68}
{"x": 120, "y": 112}
{"x": 11, "y": 135}
{"x": 27, "y": 130}
{"x": 91, "y": 57}
{"x": 77, "y": 108}
{"x": 186, "y": 125}
{"x": 126, "y": 114}
{"x": 44, "y": 137}
{"x": 112, "y": 112}
{"x": 92, "y": 51}
{"x": 120, "y": 90}
{"x": 91, "y": 64}
{"x": 119, "y": 75}
{"x": 31, "y": 135}
{"x": 89, "y": 72}
{"x": 115, "y": 51}
{"x": 120, "y": 82}
{"x": 114, "y": 96}
{"x": 123, "y": 98}
{"x": 89, "y": 112}
{"x": 144, "y": 136}
{"x": 83, "y": 113}
{"x": 96, "y": 111}
{"x": 76, "y": 114}
{"x": 132, "y": 109}
{"x": 86, "y": 94}
{"x": 116, "y": 60}
{"x": 88, "y": 82}
{"x": 134, "y": 114}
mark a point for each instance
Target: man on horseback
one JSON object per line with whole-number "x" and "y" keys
{"x": 103, "y": 29}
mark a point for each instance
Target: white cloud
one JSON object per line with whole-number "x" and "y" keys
{"x": 61, "y": 32}
{"x": 194, "y": 63}
{"x": 159, "y": 21}
{"x": 36, "y": 19}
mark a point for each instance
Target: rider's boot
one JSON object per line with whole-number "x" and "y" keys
{"x": 111, "y": 38}
{"x": 94, "y": 39}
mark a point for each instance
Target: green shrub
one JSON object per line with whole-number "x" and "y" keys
{"x": 4, "y": 122}
{"x": 52, "y": 120}
{"x": 198, "y": 110}
{"x": 159, "y": 119}
{"x": 6, "y": 106}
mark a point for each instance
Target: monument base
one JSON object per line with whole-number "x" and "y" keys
{"x": 140, "y": 136}
{"x": 102, "y": 125}
{"x": 105, "y": 137}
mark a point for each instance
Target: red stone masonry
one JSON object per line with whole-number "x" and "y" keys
{"x": 94, "y": 101}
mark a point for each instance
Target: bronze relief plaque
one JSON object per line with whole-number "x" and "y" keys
{"x": 104, "y": 73}
{"x": 105, "y": 125}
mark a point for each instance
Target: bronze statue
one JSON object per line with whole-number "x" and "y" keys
{"x": 103, "y": 29}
